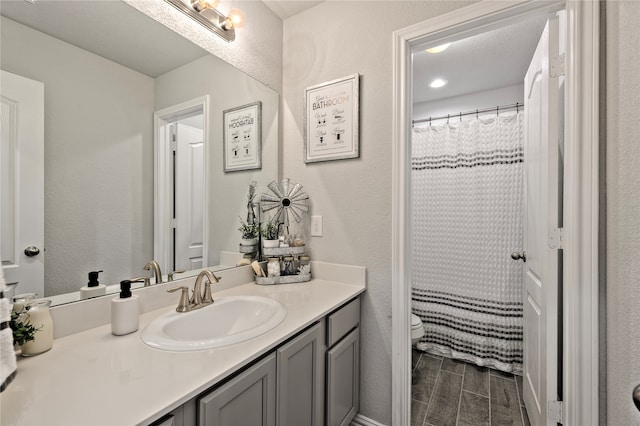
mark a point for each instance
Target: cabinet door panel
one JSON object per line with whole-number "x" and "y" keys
{"x": 248, "y": 399}
{"x": 343, "y": 380}
{"x": 301, "y": 379}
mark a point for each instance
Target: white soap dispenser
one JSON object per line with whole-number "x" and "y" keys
{"x": 93, "y": 287}
{"x": 124, "y": 311}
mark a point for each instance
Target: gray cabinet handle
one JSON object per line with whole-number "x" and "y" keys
{"x": 636, "y": 396}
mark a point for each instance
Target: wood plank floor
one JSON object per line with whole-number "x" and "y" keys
{"x": 449, "y": 392}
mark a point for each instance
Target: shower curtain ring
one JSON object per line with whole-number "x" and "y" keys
{"x": 447, "y": 118}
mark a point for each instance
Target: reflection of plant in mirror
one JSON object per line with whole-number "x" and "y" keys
{"x": 23, "y": 330}
{"x": 270, "y": 230}
{"x": 248, "y": 230}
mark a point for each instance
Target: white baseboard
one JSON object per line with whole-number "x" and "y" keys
{"x": 360, "y": 420}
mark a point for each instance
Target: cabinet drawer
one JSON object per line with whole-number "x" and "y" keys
{"x": 343, "y": 321}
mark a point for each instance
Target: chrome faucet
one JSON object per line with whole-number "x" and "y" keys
{"x": 203, "y": 298}
{"x": 198, "y": 298}
{"x": 156, "y": 270}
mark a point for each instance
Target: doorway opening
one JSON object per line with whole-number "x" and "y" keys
{"x": 181, "y": 184}
{"x": 580, "y": 199}
{"x": 467, "y": 227}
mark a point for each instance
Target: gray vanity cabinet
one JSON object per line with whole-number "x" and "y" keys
{"x": 343, "y": 364}
{"x": 247, "y": 399}
{"x": 301, "y": 379}
{"x": 310, "y": 380}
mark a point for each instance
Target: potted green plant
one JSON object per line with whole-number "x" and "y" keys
{"x": 23, "y": 330}
{"x": 249, "y": 232}
{"x": 269, "y": 232}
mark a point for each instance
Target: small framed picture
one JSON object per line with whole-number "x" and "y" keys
{"x": 331, "y": 120}
{"x": 242, "y": 137}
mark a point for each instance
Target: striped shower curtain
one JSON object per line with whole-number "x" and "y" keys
{"x": 467, "y": 214}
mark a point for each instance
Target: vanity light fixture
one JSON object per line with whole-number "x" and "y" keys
{"x": 205, "y": 13}
{"x": 439, "y": 49}
{"x": 437, "y": 83}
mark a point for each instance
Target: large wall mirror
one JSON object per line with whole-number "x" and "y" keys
{"x": 106, "y": 68}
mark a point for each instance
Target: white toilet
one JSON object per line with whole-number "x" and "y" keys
{"x": 417, "y": 329}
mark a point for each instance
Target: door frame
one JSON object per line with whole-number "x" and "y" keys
{"x": 163, "y": 182}
{"x": 581, "y": 196}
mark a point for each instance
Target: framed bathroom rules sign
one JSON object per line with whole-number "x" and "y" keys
{"x": 331, "y": 120}
{"x": 242, "y": 137}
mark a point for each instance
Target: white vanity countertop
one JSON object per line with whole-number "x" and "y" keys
{"x": 94, "y": 377}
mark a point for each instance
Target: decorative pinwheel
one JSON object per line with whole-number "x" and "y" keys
{"x": 287, "y": 199}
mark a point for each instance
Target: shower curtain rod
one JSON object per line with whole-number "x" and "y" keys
{"x": 497, "y": 109}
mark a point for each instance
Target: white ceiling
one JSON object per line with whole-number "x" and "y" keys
{"x": 286, "y": 8}
{"x": 486, "y": 61}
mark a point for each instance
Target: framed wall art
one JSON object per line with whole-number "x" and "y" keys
{"x": 242, "y": 137}
{"x": 331, "y": 120}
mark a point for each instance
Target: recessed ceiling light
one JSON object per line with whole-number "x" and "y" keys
{"x": 439, "y": 49}
{"x": 438, "y": 82}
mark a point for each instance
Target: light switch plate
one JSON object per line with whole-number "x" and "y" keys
{"x": 316, "y": 226}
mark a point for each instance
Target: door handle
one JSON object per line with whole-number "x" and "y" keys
{"x": 32, "y": 251}
{"x": 519, "y": 256}
{"x": 636, "y": 396}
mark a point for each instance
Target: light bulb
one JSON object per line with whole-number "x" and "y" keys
{"x": 438, "y": 82}
{"x": 237, "y": 17}
{"x": 200, "y": 5}
{"x": 439, "y": 49}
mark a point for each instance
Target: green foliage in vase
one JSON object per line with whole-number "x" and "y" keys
{"x": 23, "y": 330}
{"x": 248, "y": 230}
{"x": 269, "y": 231}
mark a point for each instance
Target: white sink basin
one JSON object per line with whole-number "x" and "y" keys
{"x": 227, "y": 321}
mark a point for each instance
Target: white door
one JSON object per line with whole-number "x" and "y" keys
{"x": 189, "y": 202}
{"x": 541, "y": 219}
{"x": 22, "y": 183}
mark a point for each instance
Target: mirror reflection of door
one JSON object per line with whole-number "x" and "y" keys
{"x": 180, "y": 228}
{"x": 188, "y": 201}
{"x": 22, "y": 183}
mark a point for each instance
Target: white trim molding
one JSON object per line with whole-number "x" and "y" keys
{"x": 360, "y": 420}
{"x": 580, "y": 298}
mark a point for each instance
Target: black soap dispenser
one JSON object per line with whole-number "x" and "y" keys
{"x": 124, "y": 311}
{"x": 93, "y": 287}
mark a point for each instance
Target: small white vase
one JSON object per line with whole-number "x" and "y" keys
{"x": 40, "y": 318}
{"x": 270, "y": 243}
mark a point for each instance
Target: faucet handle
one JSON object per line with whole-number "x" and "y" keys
{"x": 171, "y": 274}
{"x": 183, "y": 304}
{"x": 145, "y": 280}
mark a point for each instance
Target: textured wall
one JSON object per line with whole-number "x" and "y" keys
{"x": 623, "y": 209}
{"x": 98, "y": 158}
{"x": 328, "y": 41}
{"x": 257, "y": 49}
